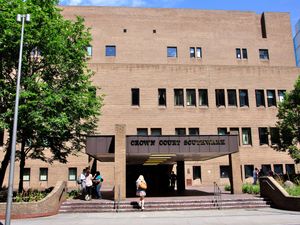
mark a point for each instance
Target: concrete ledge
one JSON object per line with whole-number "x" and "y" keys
{"x": 46, "y": 207}
{"x": 269, "y": 188}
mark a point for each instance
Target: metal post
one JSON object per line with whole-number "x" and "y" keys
{"x": 14, "y": 137}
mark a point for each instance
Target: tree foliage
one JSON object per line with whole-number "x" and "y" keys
{"x": 58, "y": 103}
{"x": 289, "y": 123}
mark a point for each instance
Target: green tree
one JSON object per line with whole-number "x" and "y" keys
{"x": 58, "y": 104}
{"x": 289, "y": 123}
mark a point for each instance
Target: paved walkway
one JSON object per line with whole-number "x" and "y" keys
{"x": 265, "y": 216}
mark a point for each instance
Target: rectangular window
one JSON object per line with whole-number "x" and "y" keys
{"x": 278, "y": 169}
{"x": 290, "y": 168}
{"x": 246, "y": 136}
{"x": 190, "y": 97}
{"x": 203, "y": 97}
{"x": 263, "y": 26}
{"x": 135, "y": 96}
{"x": 89, "y": 50}
{"x": 220, "y": 97}
{"x": 243, "y": 94}
{"x": 178, "y": 97}
{"x": 198, "y": 52}
{"x": 194, "y": 131}
{"x": 43, "y": 174}
{"x": 274, "y": 132}
{"x": 224, "y": 171}
{"x": 26, "y": 175}
{"x": 162, "y": 98}
{"x": 263, "y": 136}
{"x": 192, "y": 52}
{"x": 172, "y": 52}
{"x": 72, "y": 174}
{"x": 245, "y": 54}
{"x": 222, "y": 131}
{"x": 196, "y": 172}
{"x": 238, "y": 53}
{"x": 266, "y": 168}
{"x": 156, "y": 131}
{"x": 231, "y": 97}
{"x": 1, "y": 137}
{"x": 260, "y": 98}
{"x": 271, "y": 98}
{"x": 264, "y": 54}
{"x": 180, "y": 131}
{"x": 281, "y": 94}
{"x": 248, "y": 171}
{"x": 142, "y": 131}
{"x": 110, "y": 50}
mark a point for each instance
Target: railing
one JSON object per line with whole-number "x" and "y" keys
{"x": 217, "y": 200}
{"x": 119, "y": 199}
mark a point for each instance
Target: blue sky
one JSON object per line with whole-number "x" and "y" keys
{"x": 259, "y": 6}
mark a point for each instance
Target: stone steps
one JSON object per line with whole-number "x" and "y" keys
{"x": 96, "y": 206}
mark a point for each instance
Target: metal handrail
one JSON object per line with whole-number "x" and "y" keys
{"x": 119, "y": 199}
{"x": 217, "y": 200}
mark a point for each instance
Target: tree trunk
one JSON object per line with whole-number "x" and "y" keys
{"x": 22, "y": 166}
{"x": 4, "y": 164}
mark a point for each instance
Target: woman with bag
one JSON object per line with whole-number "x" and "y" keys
{"x": 97, "y": 183}
{"x": 141, "y": 187}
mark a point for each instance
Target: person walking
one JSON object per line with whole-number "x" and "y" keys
{"x": 255, "y": 176}
{"x": 82, "y": 182}
{"x": 141, "y": 187}
{"x": 98, "y": 183}
{"x": 89, "y": 184}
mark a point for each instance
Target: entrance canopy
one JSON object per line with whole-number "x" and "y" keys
{"x": 164, "y": 149}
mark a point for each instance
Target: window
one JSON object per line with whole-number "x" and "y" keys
{"x": 195, "y": 52}
{"x": 172, "y": 52}
{"x": 26, "y": 175}
{"x": 155, "y": 131}
{"x": 196, "y": 172}
{"x": 264, "y": 54}
{"x": 278, "y": 169}
{"x": 194, "y": 131}
{"x": 224, "y": 171}
{"x": 135, "y": 96}
{"x": 220, "y": 97}
{"x": 222, "y": 131}
{"x": 203, "y": 97}
{"x": 142, "y": 131}
{"x": 72, "y": 174}
{"x": 263, "y": 26}
{"x": 243, "y": 98}
{"x": 290, "y": 168}
{"x": 191, "y": 97}
{"x": 248, "y": 171}
{"x": 263, "y": 136}
{"x": 235, "y": 130}
{"x": 162, "y": 99}
{"x": 198, "y": 52}
{"x": 232, "y": 97}
{"x": 274, "y": 132}
{"x": 1, "y": 137}
{"x": 246, "y": 136}
{"x": 180, "y": 131}
{"x": 271, "y": 98}
{"x": 241, "y": 53}
{"x": 192, "y": 52}
{"x": 43, "y": 174}
{"x": 260, "y": 98}
{"x": 266, "y": 168}
{"x": 110, "y": 50}
{"x": 281, "y": 95}
{"x": 89, "y": 50}
{"x": 178, "y": 97}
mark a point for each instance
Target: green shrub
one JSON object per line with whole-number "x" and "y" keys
{"x": 227, "y": 187}
{"x": 251, "y": 189}
{"x": 30, "y": 196}
{"x": 293, "y": 191}
{"x": 73, "y": 194}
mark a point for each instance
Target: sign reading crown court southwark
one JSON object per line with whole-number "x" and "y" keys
{"x": 205, "y": 143}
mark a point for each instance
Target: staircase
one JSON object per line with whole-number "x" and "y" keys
{"x": 162, "y": 204}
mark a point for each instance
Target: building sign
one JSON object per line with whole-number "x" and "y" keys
{"x": 177, "y": 142}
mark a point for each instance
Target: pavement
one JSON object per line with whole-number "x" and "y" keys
{"x": 264, "y": 216}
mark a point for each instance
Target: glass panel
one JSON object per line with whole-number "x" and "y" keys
{"x": 142, "y": 131}
{"x": 271, "y": 98}
{"x": 89, "y": 51}
{"x": 26, "y": 175}
{"x": 266, "y": 169}
{"x": 72, "y": 174}
{"x": 245, "y": 54}
{"x": 281, "y": 94}
{"x": 263, "y": 135}
{"x": 135, "y": 96}
{"x": 224, "y": 171}
{"x": 274, "y": 132}
{"x": 178, "y": 97}
{"x": 232, "y": 97}
{"x": 290, "y": 168}
{"x": 193, "y": 131}
{"x": 172, "y": 51}
{"x": 155, "y": 131}
{"x": 203, "y": 98}
{"x": 246, "y": 136}
{"x": 260, "y": 98}
{"x": 248, "y": 170}
{"x": 220, "y": 97}
{"x": 162, "y": 97}
{"x": 191, "y": 97}
{"x": 244, "y": 98}
{"x": 196, "y": 172}
{"x": 264, "y": 54}
{"x": 238, "y": 53}
{"x": 222, "y": 131}
{"x": 192, "y": 52}
{"x": 110, "y": 50}
{"x": 199, "y": 53}
{"x": 43, "y": 174}
{"x": 278, "y": 169}
{"x": 180, "y": 131}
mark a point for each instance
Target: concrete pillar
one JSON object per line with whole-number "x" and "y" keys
{"x": 120, "y": 162}
{"x": 235, "y": 173}
{"x": 180, "y": 176}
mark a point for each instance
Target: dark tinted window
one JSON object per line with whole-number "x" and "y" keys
{"x": 135, "y": 96}
{"x": 162, "y": 99}
{"x": 220, "y": 97}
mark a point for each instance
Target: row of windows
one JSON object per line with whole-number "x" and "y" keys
{"x": 43, "y": 174}
{"x": 267, "y": 136}
{"x": 195, "y": 52}
{"x": 232, "y": 97}
{"x": 266, "y": 168}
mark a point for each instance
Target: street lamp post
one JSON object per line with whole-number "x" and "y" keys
{"x": 20, "y": 18}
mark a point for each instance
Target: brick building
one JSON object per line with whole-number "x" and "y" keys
{"x": 178, "y": 73}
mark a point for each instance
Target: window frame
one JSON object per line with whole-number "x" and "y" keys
{"x": 46, "y": 174}
{"x": 271, "y": 101}
{"x": 263, "y": 132}
{"x": 162, "y": 97}
{"x": 194, "y": 129}
{"x": 156, "y": 129}
{"x": 89, "y": 50}
{"x": 69, "y": 174}
{"x": 246, "y": 98}
{"x": 178, "y": 131}
{"x": 205, "y": 91}
{"x": 172, "y": 52}
{"x": 191, "y": 97}
{"x": 219, "y": 129}
{"x": 110, "y": 51}
{"x": 25, "y": 174}
{"x": 264, "y": 54}
{"x": 229, "y": 95}
{"x": 249, "y": 136}
{"x": 251, "y": 168}
{"x": 220, "y": 98}
{"x": 179, "y": 99}
{"x": 142, "y": 131}
{"x": 260, "y": 102}
{"x": 135, "y": 97}
{"x": 226, "y": 171}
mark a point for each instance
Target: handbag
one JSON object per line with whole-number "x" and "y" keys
{"x": 143, "y": 185}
